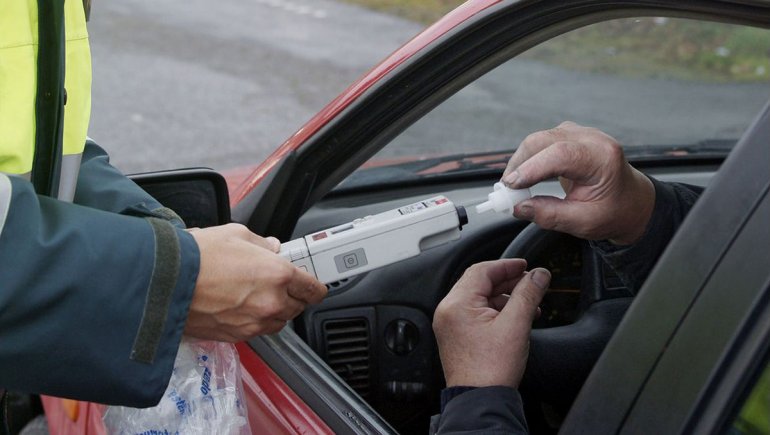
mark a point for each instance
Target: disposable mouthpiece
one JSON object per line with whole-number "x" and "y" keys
{"x": 503, "y": 199}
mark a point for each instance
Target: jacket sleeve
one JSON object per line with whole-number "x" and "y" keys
{"x": 92, "y": 303}
{"x": 634, "y": 262}
{"x": 487, "y": 410}
{"x": 102, "y": 186}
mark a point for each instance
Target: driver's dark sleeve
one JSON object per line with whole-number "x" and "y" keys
{"x": 487, "y": 410}
{"x": 92, "y": 303}
{"x": 634, "y": 262}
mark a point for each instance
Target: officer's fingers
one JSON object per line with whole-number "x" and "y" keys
{"x": 294, "y": 307}
{"x": 274, "y": 243}
{"x": 270, "y": 243}
{"x": 266, "y": 307}
{"x": 298, "y": 308}
{"x": 274, "y": 326}
{"x": 241, "y": 232}
{"x": 283, "y": 307}
{"x": 521, "y": 309}
{"x": 306, "y": 288}
{"x": 267, "y": 326}
{"x": 225, "y": 336}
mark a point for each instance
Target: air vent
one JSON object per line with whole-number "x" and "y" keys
{"x": 348, "y": 351}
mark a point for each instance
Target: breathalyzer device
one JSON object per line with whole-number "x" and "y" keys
{"x": 376, "y": 241}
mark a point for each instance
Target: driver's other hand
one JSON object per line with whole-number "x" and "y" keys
{"x": 244, "y": 287}
{"x": 605, "y": 198}
{"x": 482, "y": 326}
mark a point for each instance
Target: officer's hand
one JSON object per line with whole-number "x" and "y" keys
{"x": 482, "y": 332}
{"x": 605, "y": 197}
{"x": 244, "y": 288}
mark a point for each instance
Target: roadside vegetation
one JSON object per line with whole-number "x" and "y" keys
{"x": 674, "y": 48}
{"x": 645, "y": 47}
{"x": 424, "y": 11}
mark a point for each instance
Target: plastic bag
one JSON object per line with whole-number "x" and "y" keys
{"x": 204, "y": 396}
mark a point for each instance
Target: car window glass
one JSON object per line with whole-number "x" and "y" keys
{"x": 754, "y": 415}
{"x": 645, "y": 81}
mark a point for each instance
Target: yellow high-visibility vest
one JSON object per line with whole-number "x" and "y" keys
{"x": 18, "y": 89}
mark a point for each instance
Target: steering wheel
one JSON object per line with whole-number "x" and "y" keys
{"x": 561, "y": 357}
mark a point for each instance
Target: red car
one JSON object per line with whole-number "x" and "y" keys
{"x": 669, "y": 80}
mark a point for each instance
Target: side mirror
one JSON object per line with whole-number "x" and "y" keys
{"x": 199, "y": 195}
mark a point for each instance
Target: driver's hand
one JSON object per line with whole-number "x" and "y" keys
{"x": 244, "y": 287}
{"x": 605, "y": 198}
{"x": 483, "y": 324}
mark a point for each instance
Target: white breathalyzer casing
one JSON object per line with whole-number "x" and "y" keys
{"x": 376, "y": 241}
{"x": 503, "y": 199}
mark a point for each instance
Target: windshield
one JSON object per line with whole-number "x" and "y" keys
{"x": 658, "y": 85}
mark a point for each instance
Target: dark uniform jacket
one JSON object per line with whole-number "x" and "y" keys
{"x": 93, "y": 294}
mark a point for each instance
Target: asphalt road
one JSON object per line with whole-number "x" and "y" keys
{"x": 499, "y": 110}
{"x": 221, "y": 84}
{"x": 181, "y": 83}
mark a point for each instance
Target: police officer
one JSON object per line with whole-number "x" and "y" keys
{"x": 98, "y": 281}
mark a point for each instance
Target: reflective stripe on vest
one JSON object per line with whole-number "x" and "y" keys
{"x": 5, "y": 199}
{"x": 18, "y": 88}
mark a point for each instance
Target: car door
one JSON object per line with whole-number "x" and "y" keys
{"x": 697, "y": 336}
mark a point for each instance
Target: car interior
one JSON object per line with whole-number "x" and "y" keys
{"x": 374, "y": 330}
{"x": 448, "y": 126}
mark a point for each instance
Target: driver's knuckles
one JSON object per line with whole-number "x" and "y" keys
{"x": 444, "y": 314}
{"x": 549, "y": 213}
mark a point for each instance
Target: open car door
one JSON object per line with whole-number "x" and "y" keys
{"x": 696, "y": 340}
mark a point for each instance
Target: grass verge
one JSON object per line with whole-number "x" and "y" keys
{"x": 637, "y": 47}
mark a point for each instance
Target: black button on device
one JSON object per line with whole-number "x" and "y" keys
{"x": 350, "y": 260}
